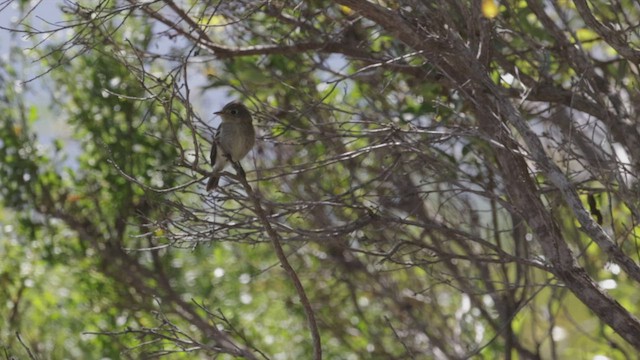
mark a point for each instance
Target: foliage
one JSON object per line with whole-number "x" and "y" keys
{"x": 446, "y": 179}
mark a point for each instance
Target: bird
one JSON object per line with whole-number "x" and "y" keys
{"x": 234, "y": 139}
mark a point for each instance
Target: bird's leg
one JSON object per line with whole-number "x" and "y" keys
{"x": 239, "y": 169}
{"x": 236, "y": 165}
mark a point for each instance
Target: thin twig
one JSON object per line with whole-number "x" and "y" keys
{"x": 31, "y": 356}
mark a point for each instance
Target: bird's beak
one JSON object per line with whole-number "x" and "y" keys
{"x": 218, "y": 112}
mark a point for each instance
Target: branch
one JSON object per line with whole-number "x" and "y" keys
{"x": 31, "y": 356}
{"x": 611, "y": 36}
{"x": 277, "y": 246}
{"x": 492, "y": 105}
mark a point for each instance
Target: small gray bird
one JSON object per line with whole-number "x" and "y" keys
{"x": 235, "y": 137}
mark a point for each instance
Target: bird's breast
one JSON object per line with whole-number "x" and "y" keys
{"x": 237, "y": 139}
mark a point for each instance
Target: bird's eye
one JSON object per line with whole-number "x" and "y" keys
{"x": 233, "y": 112}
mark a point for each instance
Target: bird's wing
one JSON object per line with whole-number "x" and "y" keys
{"x": 214, "y": 147}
